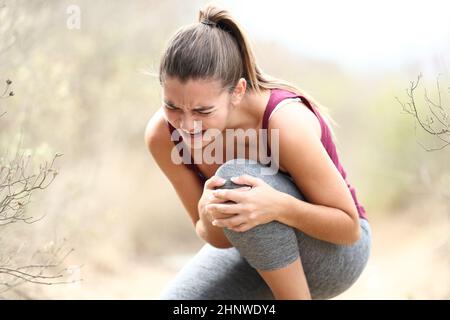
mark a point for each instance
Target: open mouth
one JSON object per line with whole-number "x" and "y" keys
{"x": 197, "y": 135}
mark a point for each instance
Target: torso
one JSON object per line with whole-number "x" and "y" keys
{"x": 208, "y": 170}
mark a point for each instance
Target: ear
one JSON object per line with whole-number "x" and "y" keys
{"x": 239, "y": 91}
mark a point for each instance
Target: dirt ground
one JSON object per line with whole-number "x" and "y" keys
{"x": 409, "y": 260}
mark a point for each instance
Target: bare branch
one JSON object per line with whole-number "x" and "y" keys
{"x": 437, "y": 121}
{"x": 17, "y": 186}
{"x": 6, "y": 94}
{"x": 36, "y": 273}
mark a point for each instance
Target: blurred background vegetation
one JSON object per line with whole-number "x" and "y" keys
{"x": 87, "y": 93}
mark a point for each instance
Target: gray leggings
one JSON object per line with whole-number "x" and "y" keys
{"x": 230, "y": 274}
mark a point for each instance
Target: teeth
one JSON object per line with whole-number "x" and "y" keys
{"x": 193, "y": 134}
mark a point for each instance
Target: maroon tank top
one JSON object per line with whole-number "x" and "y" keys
{"x": 276, "y": 96}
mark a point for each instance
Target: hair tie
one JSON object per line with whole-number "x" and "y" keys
{"x": 209, "y": 23}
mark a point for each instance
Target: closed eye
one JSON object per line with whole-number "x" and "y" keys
{"x": 204, "y": 112}
{"x": 197, "y": 111}
{"x": 170, "y": 108}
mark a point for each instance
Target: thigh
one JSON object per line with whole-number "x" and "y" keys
{"x": 215, "y": 273}
{"x": 331, "y": 269}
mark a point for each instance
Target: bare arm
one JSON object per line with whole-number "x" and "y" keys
{"x": 183, "y": 180}
{"x": 330, "y": 213}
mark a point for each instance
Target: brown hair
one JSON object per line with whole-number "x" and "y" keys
{"x": 217, "y": 48}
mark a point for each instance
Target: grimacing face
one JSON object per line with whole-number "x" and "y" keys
{"x": 196, "y": 106}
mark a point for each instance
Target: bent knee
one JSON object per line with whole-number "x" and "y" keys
{"x": 279, "y": 181}
{"x": 235, "y": 168}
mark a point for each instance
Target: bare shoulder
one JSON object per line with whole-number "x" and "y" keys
{"x": 295, "y": 113}
{"x": 159, "y": 144}
{"x": 157, "y": 132}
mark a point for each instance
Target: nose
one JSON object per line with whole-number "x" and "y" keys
{"x": 190, "y": 125}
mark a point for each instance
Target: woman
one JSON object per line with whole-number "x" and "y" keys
{"x": 297, "y": 232}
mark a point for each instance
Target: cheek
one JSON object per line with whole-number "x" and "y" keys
{"x": 218, "y": 121}
{"x": 172, "y": 117}
{"x": 221, "y": 117}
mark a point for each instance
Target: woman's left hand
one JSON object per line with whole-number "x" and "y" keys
{"x": 258, "y": 205}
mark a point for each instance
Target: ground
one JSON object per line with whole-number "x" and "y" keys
{"x": 409, "y": 260}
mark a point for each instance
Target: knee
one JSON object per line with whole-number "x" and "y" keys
{"x": 236, "y": 167}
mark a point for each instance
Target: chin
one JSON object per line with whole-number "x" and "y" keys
{"x": 199, "y": 144}
{"x": 193, "y": 142}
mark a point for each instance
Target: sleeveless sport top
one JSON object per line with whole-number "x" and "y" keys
{"x": 277, "y": 96}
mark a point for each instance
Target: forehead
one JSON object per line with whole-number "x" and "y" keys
{"x": 192, "y": 92}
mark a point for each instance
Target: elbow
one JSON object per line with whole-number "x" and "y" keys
{"x": 220, "y": 243}
{"x": 354, "y": 235}
{"x": 354, "y": 229}
{"x": 199, "y": 230}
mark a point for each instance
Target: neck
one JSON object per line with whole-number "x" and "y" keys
{"x": 249, "y": 112}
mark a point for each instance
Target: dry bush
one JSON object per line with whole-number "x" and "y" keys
{"x": 18, "y": 182}
{"x": 431, "y": 115}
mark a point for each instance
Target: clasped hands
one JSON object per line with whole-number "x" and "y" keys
{"x": 243, "y": 208}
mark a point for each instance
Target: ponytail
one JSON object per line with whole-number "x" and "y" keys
{"x": 224, "y": 21}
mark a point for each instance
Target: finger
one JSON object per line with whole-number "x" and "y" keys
{"x": 224, "y": 208}
{"x": 214, "y": 181}
{"x": 229, "y": 222}
{"x": 247, "y": 179}
{"x": 211, "y": 216}
{"x": 211, "y": 198}
{"x": 219, "y": 215}
{"x": 242, "y": 228}
{"x": 215, "y": 199}
{"x": 236, "y": 195}
{"x": 213, "y": 213}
